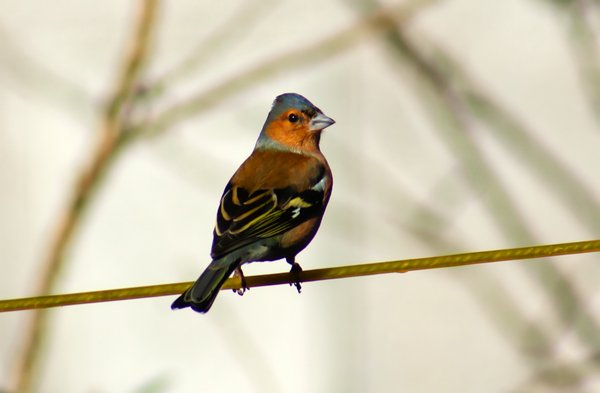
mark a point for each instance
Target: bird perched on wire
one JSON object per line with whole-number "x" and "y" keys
{"x": 273, "y": 205}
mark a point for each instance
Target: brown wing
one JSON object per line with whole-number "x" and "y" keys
{"x": 247, "y": 215}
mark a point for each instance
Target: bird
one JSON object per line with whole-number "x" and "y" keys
{"x": 273, "y": 204}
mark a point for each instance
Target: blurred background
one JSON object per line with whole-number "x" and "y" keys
{"x": 461, "y": 126}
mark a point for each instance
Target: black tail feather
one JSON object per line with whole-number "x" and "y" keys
{"x": 202, "y": 294}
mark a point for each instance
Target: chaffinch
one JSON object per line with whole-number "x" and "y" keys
{"x": 273, "y": 205}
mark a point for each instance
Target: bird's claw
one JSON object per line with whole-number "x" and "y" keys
{"x": 244, "y": 287}
{"x": 295, "y": 271}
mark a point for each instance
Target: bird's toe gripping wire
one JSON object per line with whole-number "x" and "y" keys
{"x": 295, "y": 271}
{"x": 240, "y": 274}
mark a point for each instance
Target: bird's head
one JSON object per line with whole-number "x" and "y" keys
{"x": 293, "y": 122}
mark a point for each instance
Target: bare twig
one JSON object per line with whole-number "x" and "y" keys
{"x": 332, "y": 273}
{"x": 107, "y": 146}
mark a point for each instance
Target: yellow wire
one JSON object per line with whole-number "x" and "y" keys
{"x": 309, "y": 275}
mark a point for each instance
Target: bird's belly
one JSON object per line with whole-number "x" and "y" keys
{"x": 296, "y": 239}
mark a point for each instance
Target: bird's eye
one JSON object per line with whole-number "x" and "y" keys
{"x": 293, "y": 117}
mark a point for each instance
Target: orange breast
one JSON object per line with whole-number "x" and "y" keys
{"x": 276, "y": 169}
{"x": 300, "y": 236}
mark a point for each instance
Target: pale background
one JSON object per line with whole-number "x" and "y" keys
{"x": 407, "y": 184}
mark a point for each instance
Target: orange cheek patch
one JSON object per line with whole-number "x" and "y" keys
{"x": 282, "y": 132}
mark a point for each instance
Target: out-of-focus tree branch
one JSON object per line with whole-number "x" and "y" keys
{"x": 209, "y": 48}
{"x": 521, "y": 142}
{"x": 110, "y": 134}
{"x": 583, "y": 30}
{"x": 19, "y": 69}
{"x": 563, "y": 376}
{"x": 448, "y": 105}
{"x": 455, "y": 113}
{"x": 382, "y": 20}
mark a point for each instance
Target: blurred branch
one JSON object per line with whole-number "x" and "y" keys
{"x": 229, "y": 31}
{"x": 19, "y": 68}
{"x": 456, "y": 128}
{"x": 563, "y": 376}
{"x": 376, "y": 22}
{"x": 368, "y": 269}
{"x": 584, "y": 33}
{"x": 493, "y": 296}
{"x": 110, "y": 136}
{"x": 521, "y": 142}
{"x": 575, "y": 194}
{"x": 586, "y": 47}
{"x": 455, "y": 124}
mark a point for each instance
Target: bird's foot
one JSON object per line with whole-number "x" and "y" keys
{"x": 240, "y": 274}
{"x": 295, "y": 271}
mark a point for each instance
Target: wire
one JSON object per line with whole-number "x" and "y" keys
{"x": 331, "y": 273}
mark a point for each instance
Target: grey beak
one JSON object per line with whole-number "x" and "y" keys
{"x": 320, "y": 121}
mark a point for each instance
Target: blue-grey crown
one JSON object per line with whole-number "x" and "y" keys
{"x": 292, "y": 100}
